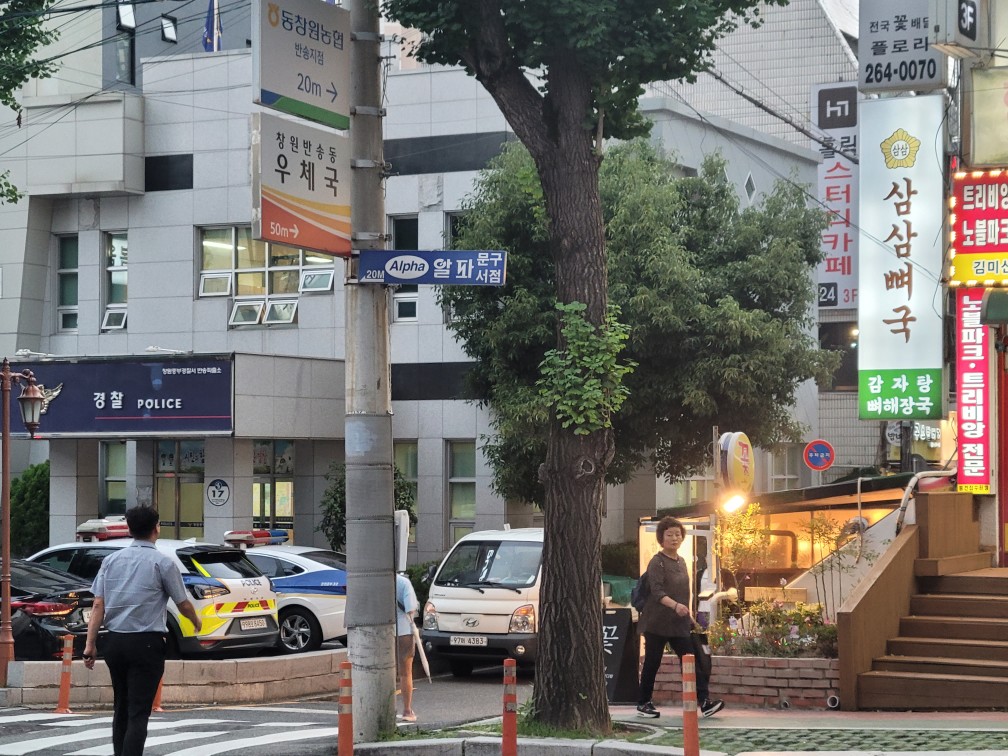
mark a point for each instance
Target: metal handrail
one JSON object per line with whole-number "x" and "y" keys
{"x": 910, "y": 487}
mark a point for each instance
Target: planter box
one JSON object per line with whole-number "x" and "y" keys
{"x": 758, "y": 681}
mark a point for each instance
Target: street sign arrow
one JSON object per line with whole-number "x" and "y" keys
{"x": 332, "y": 90}
{"x": 295, "y": 230}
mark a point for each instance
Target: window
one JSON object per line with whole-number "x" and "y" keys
{"x": 116, "y": 255}
{"x": 405, "y": 453}
{"x": 787, "y": 464}
{"x": 841, "y": 337}
{"x": 125, "y": 56}
{"x": 169, "y": 29}
{"x": 453, "y": 222}
{"x": 266, "y": 280}
{"x": 750, "y": 187}
{"x": 66, "y": 284}
{"x": 114, "y": 478}
{"x": 405, "y": 233}
{"x": 461, "y": 488}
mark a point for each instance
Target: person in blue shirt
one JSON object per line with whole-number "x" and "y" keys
{"x": 406, "y": 608}
{"x": 131, "y": 592}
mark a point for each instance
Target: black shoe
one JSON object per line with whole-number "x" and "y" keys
{"x": 709, "y": 708}
{"x": 648, "y": 710}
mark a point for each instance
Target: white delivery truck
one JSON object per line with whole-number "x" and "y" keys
{"x": 483, "y": 604}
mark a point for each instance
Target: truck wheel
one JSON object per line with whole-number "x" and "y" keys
{"x": 460, "y": 667}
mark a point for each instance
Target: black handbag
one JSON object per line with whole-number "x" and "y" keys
{"x": 701, "y": 651}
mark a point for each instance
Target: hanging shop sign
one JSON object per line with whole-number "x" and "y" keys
{"x": 446, "y": 267}
{"x": 978, "y": 229}
{"x": 900, "y": 216}
{"x": 895, "y": 54}
{"x": 973, "y": 395}
{"x": 300, "y": 185}
{"x": 738, "y": 468}
{"x": 834, "y": 111}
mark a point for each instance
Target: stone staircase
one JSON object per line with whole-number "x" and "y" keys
{"x": 952, "y": 648}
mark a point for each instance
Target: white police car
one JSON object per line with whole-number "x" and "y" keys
{"x": 233, "y": 598}
{"x": 310, "y": 585}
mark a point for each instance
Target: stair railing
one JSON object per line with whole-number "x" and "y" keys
{"x": 910, "y": 487}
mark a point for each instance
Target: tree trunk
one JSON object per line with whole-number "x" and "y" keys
{"x": 570, "y": 689}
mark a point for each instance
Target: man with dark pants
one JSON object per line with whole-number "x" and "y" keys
{"x": 131, "y": 592}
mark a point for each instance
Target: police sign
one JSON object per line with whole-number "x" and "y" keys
{"x": 442, "y": 266}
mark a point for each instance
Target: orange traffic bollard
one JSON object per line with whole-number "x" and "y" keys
{"x": 690, "y": 726}
{"x": 156, "y": 706}
{"x": 344, "y": 743}
{"x": 63, "y": 707}
{"x": 509, "y": 728}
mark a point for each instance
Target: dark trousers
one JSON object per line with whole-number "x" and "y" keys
{"x": 136, "y": 663}
{"x": 654, "y": 649}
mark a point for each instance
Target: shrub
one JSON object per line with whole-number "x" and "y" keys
{"x": 621, "y": 559}
{"x": 29, "y": 498}
{"x": 769, "y": 628}
{"x": 422, "y": 589}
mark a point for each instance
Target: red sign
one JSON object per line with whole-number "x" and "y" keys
{"x": 819, "y": 454}
{"x": 973, "y": 394}
{"x": 978, "y": 228}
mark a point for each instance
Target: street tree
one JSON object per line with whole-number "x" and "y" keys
{"x": 567, "y": 74}
{"x": 718, "y": 301}
{"x": 333, "y": 503}
{"x": 22, "y": 32}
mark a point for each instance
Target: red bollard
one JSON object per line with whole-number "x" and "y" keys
{"x": 156, "y": 706}
{"x": 344, "y": 743}
{"x": 691, "y": 728}
{"x": 63, "y": 707}
{"x": 509, "y": 728}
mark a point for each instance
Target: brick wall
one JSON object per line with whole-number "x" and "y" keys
{"x": 758, "y": 681}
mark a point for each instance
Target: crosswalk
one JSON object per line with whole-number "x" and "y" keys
{"x": 274, "y": 730}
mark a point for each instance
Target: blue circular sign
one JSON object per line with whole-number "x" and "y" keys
{"x": 819, "y": 454}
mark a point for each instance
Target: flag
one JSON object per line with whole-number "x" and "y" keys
{"x": 212, "y": 28}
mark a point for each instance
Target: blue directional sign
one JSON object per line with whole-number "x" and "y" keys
{"x": 448, "y": 267}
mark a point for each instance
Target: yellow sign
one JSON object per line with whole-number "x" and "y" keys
{"x": 987, "y": 269}
{"x": 737, "y": 463}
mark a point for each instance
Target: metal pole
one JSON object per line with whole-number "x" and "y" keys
{"x": 368, "y": 448}
{"x": 6, "y": 630}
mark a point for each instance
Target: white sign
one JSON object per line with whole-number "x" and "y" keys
{"x": 834, "y": 111}
{"x": 893, "y": 49}
{"x": 301, "y": 59}
{"x": 300, "y": 184}
{"x": 901, "y": 212}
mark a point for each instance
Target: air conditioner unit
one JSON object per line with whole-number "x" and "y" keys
{"x": 960, "y": 28}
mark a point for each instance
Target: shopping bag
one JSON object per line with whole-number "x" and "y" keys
{"x": 701, "y": 651}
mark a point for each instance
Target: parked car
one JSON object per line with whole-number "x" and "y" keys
{"x": 46, "y": 605}
{"x": 234, "y": 599}
{"x": 310, "y": 585}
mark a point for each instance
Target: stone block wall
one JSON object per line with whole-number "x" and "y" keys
{"x": 758, "y": 681}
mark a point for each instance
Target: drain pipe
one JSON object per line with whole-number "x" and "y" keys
{"x": 832, "y": 702}
{"x": 910, "y": 487}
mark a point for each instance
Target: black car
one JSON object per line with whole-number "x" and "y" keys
{"x": 46, "y": 605}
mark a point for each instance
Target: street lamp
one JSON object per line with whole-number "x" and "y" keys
{"x": 30, "y": 401}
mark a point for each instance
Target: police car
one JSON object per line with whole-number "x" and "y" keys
{"x": 310, "y": 585}
{"x": 233, "y": 598}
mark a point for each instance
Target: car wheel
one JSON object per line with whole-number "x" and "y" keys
{"x": 299, "y": 631}
{"x": 460, "y": 667}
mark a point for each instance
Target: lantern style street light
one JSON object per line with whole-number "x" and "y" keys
{"x": 31, "y": 401}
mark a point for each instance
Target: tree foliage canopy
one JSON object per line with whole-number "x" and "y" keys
{"x": 29, "y": 498}
{"x": 333, "y": 503}
{"x": 718, "y": 300}
{"x": 22, "y": 32}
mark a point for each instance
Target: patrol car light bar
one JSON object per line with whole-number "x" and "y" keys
{"x": 103, "y": 529}
{"x": 261, "y": 537}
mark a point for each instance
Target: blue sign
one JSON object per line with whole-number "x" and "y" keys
{"x": 819, "y": 454}
{"x": 449, "y": 267}
{"x": 132, "y": 397}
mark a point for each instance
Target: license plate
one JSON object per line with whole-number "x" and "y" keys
{"x": 86, "y": 614}
{"x": 255, "y": 623}
{"x": 467, "y": 640}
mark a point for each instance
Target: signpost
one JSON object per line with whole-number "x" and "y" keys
{"x": 819, "y": 455}
{"x": 445, "y": 267}
{"x": 302, "y": 59}
{"x": 300, "y": 185}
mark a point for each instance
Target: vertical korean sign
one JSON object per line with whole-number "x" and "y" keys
{"x": 834, "y": 111}
{"x": 973, "y": 394}
{"x": 900, "y": 210}
{"x": 300, "y": 185}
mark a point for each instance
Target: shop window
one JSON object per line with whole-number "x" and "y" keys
{"x": 116, "y": 289}
{"x": 273, "y": 485}
{"x": 406, "y": 459}
{"x": 179, "y": 468}
{"x": 786, "y": 468}
{"x": 67, "y": 284}
{"x": 461, "y": 488}
{"x": 405, "y": 234}
{"x": 265, "y": 280}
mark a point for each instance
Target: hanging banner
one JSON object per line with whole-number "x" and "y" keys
{"x": 973, "y": 394}
{"x": 834, "y": 111}
{"x": 978, "y": 229}
{"x": 901, "y": 211}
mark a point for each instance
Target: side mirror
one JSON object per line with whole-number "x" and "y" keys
{"x": 428, "y": 574}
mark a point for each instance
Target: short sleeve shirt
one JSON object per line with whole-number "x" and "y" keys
{"x": 406, "y": 605}
{"x": 136, "y": 583}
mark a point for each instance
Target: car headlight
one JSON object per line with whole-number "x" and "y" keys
{"x": 523, "y": 620}
{"x": 430, "y": 619}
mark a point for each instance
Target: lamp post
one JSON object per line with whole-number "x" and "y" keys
{"x": 30, "y": 401}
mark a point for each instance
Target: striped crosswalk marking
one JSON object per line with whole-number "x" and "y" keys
{"x": 259, "y": 740}
{"x": 33, "y": 717}
{"x": 106, "y": 750}
{"x": 38, "y": 744}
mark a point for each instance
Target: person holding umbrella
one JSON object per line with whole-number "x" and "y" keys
{"x": 406, "y": 631}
